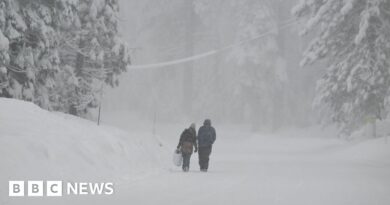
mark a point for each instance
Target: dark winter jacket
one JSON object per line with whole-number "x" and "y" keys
{"x": 188, "y": 140}
{"x": 206, "y": 135}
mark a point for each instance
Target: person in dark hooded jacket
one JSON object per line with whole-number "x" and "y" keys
{"x": 187, "y": 143}
{"x": 206, "y": 139}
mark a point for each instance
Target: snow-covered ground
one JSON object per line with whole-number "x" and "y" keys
{"x": 36, "y": 144}
{"x": 292, "y": 167}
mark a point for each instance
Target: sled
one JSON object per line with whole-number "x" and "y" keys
{"x": 177, "y": 158}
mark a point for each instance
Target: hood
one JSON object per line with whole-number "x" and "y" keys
{"x": 207, "y": 122}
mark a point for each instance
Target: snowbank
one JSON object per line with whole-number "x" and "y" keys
{"x": 36, "y": 144}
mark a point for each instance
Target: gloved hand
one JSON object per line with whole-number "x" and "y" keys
{"x": 196, "y": 150}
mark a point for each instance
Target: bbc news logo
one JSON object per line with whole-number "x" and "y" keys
{"x": 58, "y": 188}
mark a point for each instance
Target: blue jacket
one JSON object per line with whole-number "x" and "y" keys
{"x": 206, "y": 136}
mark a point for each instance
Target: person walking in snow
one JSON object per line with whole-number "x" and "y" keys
{"x": 206, "y": 139}
{"x": 187, "y": 143}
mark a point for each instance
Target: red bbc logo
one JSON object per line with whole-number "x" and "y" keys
{"x": 34, "y": 188}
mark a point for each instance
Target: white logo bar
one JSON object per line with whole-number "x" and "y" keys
{"x": 58, "y": 188}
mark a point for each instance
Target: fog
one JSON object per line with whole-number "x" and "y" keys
{"x": 102, "y": 96}
{"x": 253, "y": 77}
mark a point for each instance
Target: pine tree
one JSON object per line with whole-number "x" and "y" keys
{"x": 262, "y": 71}
{"x": 31, "y": 59}
{"x": 59, "y": 53}
{"x": 259, "y": 71}
{"x": 353, "y": 37}
{"x": 101, "y": 54}
{"x": 5, "y": 19}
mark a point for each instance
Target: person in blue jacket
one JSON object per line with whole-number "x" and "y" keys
{"x": 206, "y": 139}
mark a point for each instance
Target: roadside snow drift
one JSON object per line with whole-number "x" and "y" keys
{"x": 36, "y": 144}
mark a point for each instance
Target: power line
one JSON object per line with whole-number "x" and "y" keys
{"x": 174, "y": 62}
{"x": 211, "y": 52}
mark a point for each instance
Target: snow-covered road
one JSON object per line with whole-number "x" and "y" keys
{"x": 273, "y": 170}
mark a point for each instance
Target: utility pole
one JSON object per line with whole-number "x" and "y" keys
{"x": 279, "y": 97}
{"x": 187, "y": 82}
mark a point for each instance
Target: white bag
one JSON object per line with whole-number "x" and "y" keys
{"x": 177, "y": 158}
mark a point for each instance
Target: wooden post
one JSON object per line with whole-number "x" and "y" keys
{"x": 100, "y": 104}
{"x": 373, "y": 124}
{"x": 154, "y": 124}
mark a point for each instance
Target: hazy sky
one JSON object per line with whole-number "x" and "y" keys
{"x": 259, "y": 82}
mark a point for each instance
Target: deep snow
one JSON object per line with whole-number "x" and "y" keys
{"x": 36, "y": 144}
{"x": 308, "y": 166}
{"x": 291, "y": 168}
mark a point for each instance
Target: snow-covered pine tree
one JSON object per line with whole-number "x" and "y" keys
{"x": 39, "y": 50}
{"x": 101, "y": 55}
{"x": 5, "y": 19}
{"x": 31, "y": 59}
{"x": 65, "y": 16}
{"x": 261, "y": 68}
{"x": 259, "y": 71}
{"x": 353, "y": 36}
{"x": 59, "y": 53}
